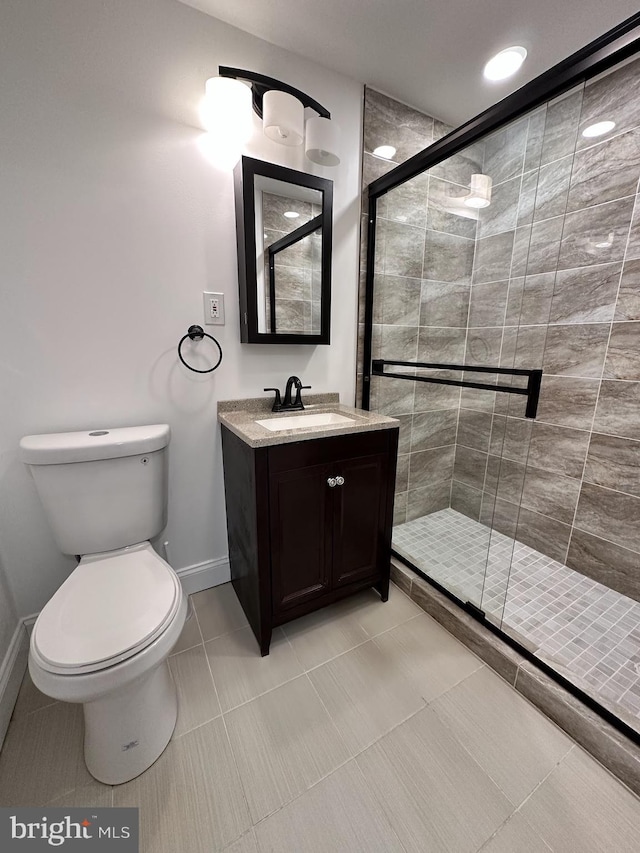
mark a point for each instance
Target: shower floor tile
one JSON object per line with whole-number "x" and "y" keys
{"x": 589, "y": 632}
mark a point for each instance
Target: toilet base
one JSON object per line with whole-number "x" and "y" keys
{"x": 126, "y": 731}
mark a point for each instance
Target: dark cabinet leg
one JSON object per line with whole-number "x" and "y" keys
{"x": 383, "y": 589}
{"x": 265, "y": 641}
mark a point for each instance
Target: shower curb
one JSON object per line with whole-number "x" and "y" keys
{"x": 615, "y": 751}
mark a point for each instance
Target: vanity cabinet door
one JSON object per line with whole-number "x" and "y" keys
{"x": 300, "y": 535}
{"x": 359, "y": 519}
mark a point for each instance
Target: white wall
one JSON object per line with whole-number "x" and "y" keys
{"x": 112, "y": 223}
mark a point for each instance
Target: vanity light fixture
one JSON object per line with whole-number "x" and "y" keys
{"x": 505, "y": 63}
{"x": 598, "y": 129}
{"x": 479, "y": 192}
{"x": 281, "y": 108}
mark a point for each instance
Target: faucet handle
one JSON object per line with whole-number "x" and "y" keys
{"x": 277, "y": 403}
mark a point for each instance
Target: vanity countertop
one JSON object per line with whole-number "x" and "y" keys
{"x": 240, "y": 417}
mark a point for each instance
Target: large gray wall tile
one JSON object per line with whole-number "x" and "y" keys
{"x": 576, "y": 350}
{"x": 561, "y": 125}
{"x": 389, "y": 122}
{"x": 618, "y": 407}
{"x": 614, "y": 463}
{"x": 434, "y": 429}
{"x": 488, "y": 304}
{"x": 545, "y": 534}
{"x": 609, "y": 564}
{"x": 493, "y": 258}
{"x": 428, "y": 499}
{"x": 559, "y": 449}
{"x": 628, "y": 305}
{"x": 431, "y": 466}
{"x": 623, "y": 352}
{"x": 447, "y": 257}
{"x": 550, "y": 494}
{"x": 596, "y": 235}
{"x": 566, "y": 401}
{"x": 444, "y": 304}
{"x": 396, "y": 300}
{"x": 610, "y": 515}
{"x": 504, "y": 151}
{"x": 586, "y": 295}
{"x": 605, "y": 171}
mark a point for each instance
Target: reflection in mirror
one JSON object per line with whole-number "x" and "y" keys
{"x": 289, "y": 257}
{"x": 284, "y": 229}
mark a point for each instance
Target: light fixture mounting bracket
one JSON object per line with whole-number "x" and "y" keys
{"x": 260, "y": 84}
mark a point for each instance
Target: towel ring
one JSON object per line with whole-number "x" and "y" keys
{"x": 197, "y": 333}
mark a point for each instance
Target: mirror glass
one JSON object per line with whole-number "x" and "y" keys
{"x": 289, "y": 257}
{"x": 284, "y": 227}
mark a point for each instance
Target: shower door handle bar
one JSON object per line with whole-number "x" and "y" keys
{"x": 531, "y": 392}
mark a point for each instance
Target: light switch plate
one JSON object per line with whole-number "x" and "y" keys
{"x": 213, "y": 308}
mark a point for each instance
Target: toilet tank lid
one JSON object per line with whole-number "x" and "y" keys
{"x": 90, "y": 445}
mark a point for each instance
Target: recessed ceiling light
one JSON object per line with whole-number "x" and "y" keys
{"x": 385, "y": 151}
{"x": 598, "y": 129}
{"x": 291, "y": 214}
{"x": 505, "y": 63}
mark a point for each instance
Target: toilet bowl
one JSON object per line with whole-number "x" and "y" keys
{"x": 103, "y": 639}
{"x": 93, "y": 643}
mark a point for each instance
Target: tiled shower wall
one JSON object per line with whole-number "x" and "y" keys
{"x": 556, "y": 285}
{"x": 550, "y": 277}
{"x": 421, "y": 250}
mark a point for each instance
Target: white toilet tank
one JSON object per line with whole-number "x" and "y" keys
{"x": 103, "y": 489}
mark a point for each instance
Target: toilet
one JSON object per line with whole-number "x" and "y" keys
{"x": 105, "y": 636}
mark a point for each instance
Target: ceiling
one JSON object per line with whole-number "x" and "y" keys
{"x": 427, "y": 53}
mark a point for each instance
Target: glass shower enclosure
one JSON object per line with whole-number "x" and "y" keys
{"x": 503, "y": 331}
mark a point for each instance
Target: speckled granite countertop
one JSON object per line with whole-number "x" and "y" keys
{"x": 240, "y": 417}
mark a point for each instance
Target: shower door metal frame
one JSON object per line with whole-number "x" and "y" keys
{"x": 616, "y": 45}
{"x": 621, "y": 42}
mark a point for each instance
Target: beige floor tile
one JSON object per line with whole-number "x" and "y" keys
{"x": 191, "y": 799}
{"x": 197, "y": 699}
{"x": 322, "y": 635}
{"x": 218, "y": 611}
{"x": 376, "y": 616}
{"x": 95, "y": 794}
{"x": 434, "y": 794}
{"x": 284, "y": 742}
{"x": 246, "y": 844}
{"x": 337, "y": 815}
{"x": 516, "y": 744}
{"x": 581, "y": 808}
{"x": 42, "y": 757}
{"x": 241, "y": 673}
{"x": 190, "y": 635}
{"x": 429, "y": 656}
{"x": 515, "y": 836}
{"x": 366, "y": 694}
{"x": 30, "y": 698}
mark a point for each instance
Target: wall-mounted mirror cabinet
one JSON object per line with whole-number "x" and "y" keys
{"x": 283, "y": 226}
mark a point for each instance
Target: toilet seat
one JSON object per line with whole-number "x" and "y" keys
{"x": 111, "y": 607}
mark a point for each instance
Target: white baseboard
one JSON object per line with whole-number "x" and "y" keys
{"x": 12, "y": 671}
{"x": 204, "y": 575}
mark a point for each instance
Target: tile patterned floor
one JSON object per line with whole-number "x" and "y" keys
{"x": 368, "y": 728}
{"x": 590, "y": 632}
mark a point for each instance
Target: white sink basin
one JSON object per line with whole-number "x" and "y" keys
{"x": 303, "y": 421}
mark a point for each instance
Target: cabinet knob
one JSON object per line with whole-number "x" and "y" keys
{"x": 339, "y": 481}
{"x": 332, "y": 482}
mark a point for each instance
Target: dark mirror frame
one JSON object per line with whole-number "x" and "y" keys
{"x": 244, "y": 182}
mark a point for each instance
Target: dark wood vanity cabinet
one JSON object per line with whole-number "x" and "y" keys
{"x": 309, "y": 522}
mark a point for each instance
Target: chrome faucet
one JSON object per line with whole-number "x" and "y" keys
{"x": 289, "y": 405}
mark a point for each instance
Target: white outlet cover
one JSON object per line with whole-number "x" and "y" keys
{"x": 209, "y": 319}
